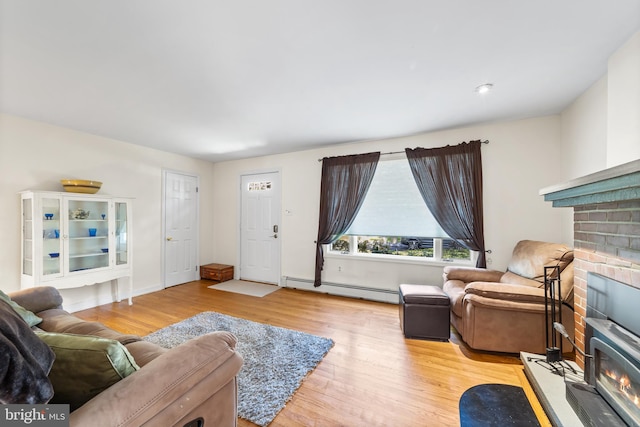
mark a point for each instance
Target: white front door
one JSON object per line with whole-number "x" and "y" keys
{"x": 180, "y": 229}
{"x": 259, "y": 229}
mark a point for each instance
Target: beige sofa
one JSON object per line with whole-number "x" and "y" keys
{"x": 505, "y": 311}
{"x": 177, "y": 387}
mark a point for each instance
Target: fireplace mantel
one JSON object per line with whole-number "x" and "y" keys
{"x": 618, "y": 183}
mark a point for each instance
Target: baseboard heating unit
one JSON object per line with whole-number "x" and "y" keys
{"x": 342, "y": 289}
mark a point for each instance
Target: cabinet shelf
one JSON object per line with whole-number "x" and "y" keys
{"x": 88, "y": 255}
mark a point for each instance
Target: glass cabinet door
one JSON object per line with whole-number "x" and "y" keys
{"x": 51, "y": 244}
{"x": 27, "y": 237}
{"x": 122, "y": 247}
{"x": 88, "y": 234}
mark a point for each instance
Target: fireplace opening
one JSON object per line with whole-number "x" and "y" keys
{"x": 612, "y": 369}
{"x": 617, "y": 379}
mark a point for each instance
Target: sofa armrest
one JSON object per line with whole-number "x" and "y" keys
{"x": 173, "y": 384}
{"x": 38, "y": 299}
{"x": 471, "y": 274}
{"x": 506, "y": 292}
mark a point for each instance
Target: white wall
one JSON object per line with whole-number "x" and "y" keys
{"x": 35, "y": 155}
{"x": 584, "y": 133}
{"x": 623, "y": 142}
{"x": 522, "y": 158}
{"x": 601, "y": 128}
{"x": 583, "y": 142}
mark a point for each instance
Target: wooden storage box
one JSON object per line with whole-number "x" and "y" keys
{"x": 217, "y": 272}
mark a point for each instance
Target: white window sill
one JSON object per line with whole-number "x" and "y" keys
{"x": 396, "y": 259}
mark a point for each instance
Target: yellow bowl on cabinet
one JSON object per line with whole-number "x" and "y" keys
{"x": 81, "y": 186}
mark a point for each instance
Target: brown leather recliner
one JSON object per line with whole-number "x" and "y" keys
{"x": 194, "y": 383}
{"x": 505, "y": 311}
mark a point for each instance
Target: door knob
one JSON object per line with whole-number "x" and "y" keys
{"x": 275, "y": 236}
{"x": 169, "y": 239}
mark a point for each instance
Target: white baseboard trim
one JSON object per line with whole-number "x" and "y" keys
{"x": 147, "y": 290}
{"x": 85, "y": 304}
{"x": 107, "y": 299}
{"x": 342, "y": 289}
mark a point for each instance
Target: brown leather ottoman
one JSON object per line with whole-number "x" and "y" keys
{"x": 424, "y": 312}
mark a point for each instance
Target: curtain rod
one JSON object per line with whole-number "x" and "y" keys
{"x": 486, "y": 141}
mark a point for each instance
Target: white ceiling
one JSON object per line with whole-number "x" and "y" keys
{"x": 223, "y": 80}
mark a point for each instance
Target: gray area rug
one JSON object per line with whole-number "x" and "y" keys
{"x": 276, "y": 360}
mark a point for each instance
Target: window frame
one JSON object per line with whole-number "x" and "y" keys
{"x": 435, "y": 260}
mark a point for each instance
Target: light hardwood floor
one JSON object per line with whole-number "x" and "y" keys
{"x": 373, "y": 376}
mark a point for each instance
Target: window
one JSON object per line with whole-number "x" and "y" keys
{"x": 394, "y": 220}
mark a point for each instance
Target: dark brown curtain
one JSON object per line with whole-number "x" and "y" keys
{"x": 450, "y": 181}
{"x": 345, "y": 182}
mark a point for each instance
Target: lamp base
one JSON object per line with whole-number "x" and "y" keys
{"x": 553, "y": 354}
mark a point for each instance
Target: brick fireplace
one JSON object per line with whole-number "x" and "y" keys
{"x": 606, "y": 230}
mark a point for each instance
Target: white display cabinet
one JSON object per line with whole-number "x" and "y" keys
{"x": 71, "y": 240}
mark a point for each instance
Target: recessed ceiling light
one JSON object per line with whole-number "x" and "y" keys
{"x": 482, "y": 89}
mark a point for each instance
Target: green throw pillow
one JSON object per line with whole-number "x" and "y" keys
{"x": 85, "y": 366}
{"x": 28, "y": 316}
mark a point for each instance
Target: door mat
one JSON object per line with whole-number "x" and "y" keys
{"x": 253, "y": 289}
{"x": 489, "y": 405}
